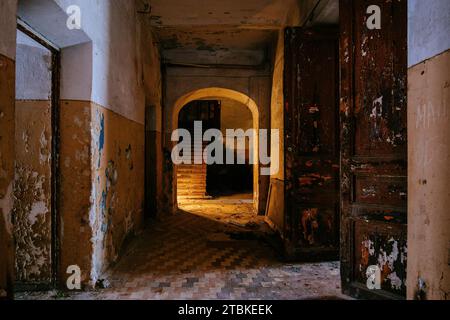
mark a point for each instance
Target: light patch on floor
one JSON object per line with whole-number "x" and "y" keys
{"x": 233, "y": 209}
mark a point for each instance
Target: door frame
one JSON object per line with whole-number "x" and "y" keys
{"x": 55, "y": 161}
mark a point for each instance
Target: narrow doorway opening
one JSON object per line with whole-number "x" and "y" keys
{"x": 192, "y": 177}
{"x": 233, "y": 181}
{"x": 221, "y": 191}
{"x": 36, "y": 170}
{"x": 217, "y": 180}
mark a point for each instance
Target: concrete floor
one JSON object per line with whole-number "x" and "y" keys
{"x": 210, "y": 250}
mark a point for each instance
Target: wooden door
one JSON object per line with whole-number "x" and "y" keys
{"x": 311, "y": 144}
{"x": 373, "y": 155}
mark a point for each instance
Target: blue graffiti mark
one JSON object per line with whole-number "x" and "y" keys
{"x": 103, "y": 204}
{"x": 101, "y": 139}
{"x": 104, "y": 226}
{"x": 102, "y": 133}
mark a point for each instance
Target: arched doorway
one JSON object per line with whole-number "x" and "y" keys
{"x": 212, "y": 94}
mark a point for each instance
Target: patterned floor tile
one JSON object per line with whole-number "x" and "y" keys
{"x": 193, "y": 256}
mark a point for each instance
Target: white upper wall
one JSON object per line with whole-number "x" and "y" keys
{"x": 102, "y": 61}
{"x": 47, "y": 18}
{"x": 8, "y": 28}
{"x": 428, "y": 29}
{"x": 33, "y": 70}
{"x": 112, "y": 27}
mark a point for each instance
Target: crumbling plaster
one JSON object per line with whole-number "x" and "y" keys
{"x": 32, "y": 191}
{"x": 107, "y": 78}
{"x": 234, "y": 12}
{"x": 121, "y": 74}
{"x": 105, "y": 166}
{"x": 33, "y": 156}
{"x": 231, "y": 32}
{"x": 117, "y": 194}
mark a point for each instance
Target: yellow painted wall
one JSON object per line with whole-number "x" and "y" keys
{"x": 429, "y": 178}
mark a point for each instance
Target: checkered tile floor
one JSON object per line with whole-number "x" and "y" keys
{"x": 188, "y": 256}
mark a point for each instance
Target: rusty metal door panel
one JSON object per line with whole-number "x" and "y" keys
{"x": 312, "y": 145}
{"x": 373, "y": 148}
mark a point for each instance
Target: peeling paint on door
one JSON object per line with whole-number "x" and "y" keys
{"x": 373, "y": 148}
{"x": 311, "y": 140}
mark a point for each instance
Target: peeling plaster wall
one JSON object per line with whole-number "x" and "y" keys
{"x": 256, "y": 84}
{"x": 33, "y": 172}
{"x": 217, "y": 12}
{"x": 109, "y": 72}
{"x": 75, "y": 187}
{"x": 102, "y": 136}
{"x": 32, "y": 191}
{"x": 428, "y": 150}
{"x": 102, "y": 185}
{"x": 117, "y": 196}
{"x": 7, "y": 131}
